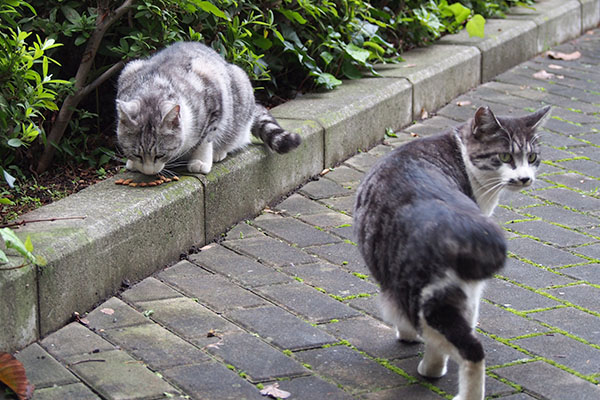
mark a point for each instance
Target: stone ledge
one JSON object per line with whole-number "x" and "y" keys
{"x": 128, "y": 233}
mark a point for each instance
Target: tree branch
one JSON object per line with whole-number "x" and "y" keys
{"x": 103, "y": 23}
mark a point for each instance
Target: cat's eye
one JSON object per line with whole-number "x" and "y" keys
{"x": 505, "y": 157}
{"x": 532, "y": 157}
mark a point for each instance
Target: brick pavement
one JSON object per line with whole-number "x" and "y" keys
{"x": 285, "y": 298}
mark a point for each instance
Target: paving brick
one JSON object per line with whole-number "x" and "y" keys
{"x": 270, "y": 251}
{"x": 414, "y": 391}
{"x": 513, "y": 296}
{"x": 362, "y": 161}
{"x": 588, "y": 272}
{"x": 592, "y": 251}
{"x": 532, "y": 276}
{"x": 574, "y": 180}
{"x": 334, "y": 280}
{"x": 582, "y": 295}
{"x": 294, "y": 231}
{"x": 281, "y": 328}
{"x": 542, "y": 379}
{"x": 367, "y": 305}
{"x": 503, "y": 323}
{"x": 74, "y": 339}
{"x": 345, "y": 175}
{"x": 312, "y": 388}
{"x": 344, "y": 254}
{"x": 257, "y": 359}
{"x": 72, "y": 391}
{"x": 373, "y": 337}
{"x": 149, "y": 289}
{"x": 343, "y": 204}
{"x": 329, "y": 220}
{"x": 562, "y": 216}
{"x": 42, "y": 369}
{"x": 565, "y": 351}
{"x": 550, "y": 233}
{"x": 189, "y": 320}
{"x": 156, "y": 346}
{"x": 449, "y": 382}
{"x": 298, "y": 204}
{"x": 571, "y": 199}
{"x": 498, "y": 353}
{"x": 212, "y": 380}
{"x": 518, "y": 200}
{"x": 543, "y": 254}
{"x": 587, "y": 167}
{"x": 572, "y": 320}
{"x": 114, "y": 313}
{"x": 115, "y": 375}
{"x": 242, "y": 230}
{"x": 323, "y": 189}
{"x": 215, "y": 291}
{"x": 236, "y": 267}
{"x": 365, "y": 374}
{"x": 307, "y": 302}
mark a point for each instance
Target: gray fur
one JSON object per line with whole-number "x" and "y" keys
{"x": 187, "y": 103}
{"x": 422, "y": 220}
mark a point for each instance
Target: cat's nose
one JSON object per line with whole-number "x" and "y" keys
{"x": 525, "y": 181}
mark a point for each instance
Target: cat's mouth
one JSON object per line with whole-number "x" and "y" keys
{"x": 519, "y": 183}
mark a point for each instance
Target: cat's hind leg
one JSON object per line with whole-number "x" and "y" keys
{"x": 447, "y": 329}
{"x": 393, "y": 314}
{"x": 201, "y": 159}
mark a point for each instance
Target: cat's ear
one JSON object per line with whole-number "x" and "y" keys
{"x": 171, "y": 119}
{"x": 536, "y": 119}
{"x": 127, "y": 111}
{"x": 484, "y": 123}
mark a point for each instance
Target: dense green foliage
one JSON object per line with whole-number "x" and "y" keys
{"x": 286, "y": 46}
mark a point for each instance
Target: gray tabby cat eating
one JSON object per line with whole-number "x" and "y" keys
{"x": 422, "y": 220}
{"x": 187, "y": 104}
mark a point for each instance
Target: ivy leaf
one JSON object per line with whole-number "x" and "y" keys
{"x": 12, "y": 241}
{"x": 328, "y": 80}
{"x": 357, "y": 53}
{"x": 209, "y": 7}
{"x": 476, "y": 26}
{"x": 350, "y": 71}
{"x": 461, "y": 13}
{"x": 3, "y": 258}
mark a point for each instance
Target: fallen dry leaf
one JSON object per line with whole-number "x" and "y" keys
{"x": 414, "y": 134}
{"x": 557, "y": 55}
{"x": 560, "y": 77}
{"x": 542, "y": 74}
{"x": 12, "y": 374}
{"x": 554, "y": 66}
{"x": 274, "y": 391}
{"x": 107, "y": 311}
{"x": 410, "y": 65}
{"x": 325, "y": 171}
{"x": 424, "y": 114}
{"x": 463, "y": 103}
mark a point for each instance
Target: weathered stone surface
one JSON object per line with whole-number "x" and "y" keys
{"x": 505, "y": 324}
{"x": 334, "y": 280}
{"x": 354, "y": 116}
{"x": 532, "y": 276}
{"x": 149, "y": 289}
{"x": 270, "y": 251}
{"x": 545, "y": 380}
{"x": 71, "y": 391}
{"x": 115, "y": 375}
{"x": 513, "y": 296}
{"x": 74, "y": 339}
{"x": 313, "y": 388}
{"x": 506, "y": 44}
{"x": 576, "y": 322}
{"x": 114, "y": 313}
{"x": 18, "y": 306}
{"x": 541, "y": 253}
{"x": 307, "y": 302}
{"x": 294, "y": 231}
{"x": 459, "y": 67}
{"x": 281, "y": 328}
{"x": 210, "y": 379}
{"x": 259, "y": 176}
{"x": 365, "y": 373}
{"x": 42, "y": 369}
{"x": 254, "y": 357}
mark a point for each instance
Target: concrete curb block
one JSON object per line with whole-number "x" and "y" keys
{"x": 130, "y": 232}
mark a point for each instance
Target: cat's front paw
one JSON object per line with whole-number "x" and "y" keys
{"x": 129, "y": 166}
{"x": 199, "y": 167}
{"x": 219, "y": 156}
{"x": 432, "y": 370}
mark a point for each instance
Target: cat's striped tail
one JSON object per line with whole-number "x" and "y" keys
{"x": 271, "y": 133}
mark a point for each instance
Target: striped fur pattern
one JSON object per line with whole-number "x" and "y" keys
{"x": 423, "y": 222}
{"x": 187, "y": 105}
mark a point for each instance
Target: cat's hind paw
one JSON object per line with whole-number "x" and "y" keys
{"x": 199, "y": 167}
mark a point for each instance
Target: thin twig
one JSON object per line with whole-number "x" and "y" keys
{"x": 17, "y": 267}
{"x": 86, "y": 361}
{"x": 29, "y": 221}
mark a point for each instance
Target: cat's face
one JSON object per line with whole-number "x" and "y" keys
{"x": 149, "y": 134}
{"x": 503, "y": 151}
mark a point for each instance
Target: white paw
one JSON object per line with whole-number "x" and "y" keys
{"x": 129, "y": 165}
{"x": 219, "y": 156}
{"x": 408, "y": 336}
{"x": 199, "y": 167}
{"x": 431, "y": 371}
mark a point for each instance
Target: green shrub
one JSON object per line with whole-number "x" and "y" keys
{"x": 286, "y": 46}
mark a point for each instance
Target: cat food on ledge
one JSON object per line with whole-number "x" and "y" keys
{"x": 157, "y": 182}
